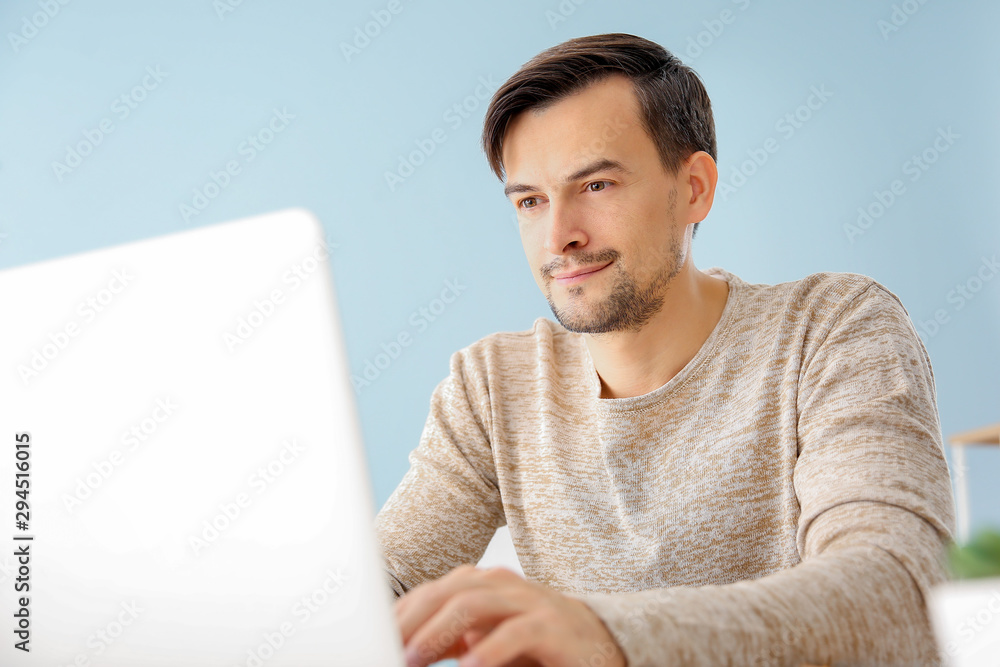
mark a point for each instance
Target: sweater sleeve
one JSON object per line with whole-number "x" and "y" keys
{"x": 447, "y": 507}
{"x": 876, "y": 510}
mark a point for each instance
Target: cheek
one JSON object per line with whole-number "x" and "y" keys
{"x": 532, "y": 246}
{"x": 532, "y": 254}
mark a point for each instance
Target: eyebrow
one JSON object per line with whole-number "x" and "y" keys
{"x": 604, "y": 164}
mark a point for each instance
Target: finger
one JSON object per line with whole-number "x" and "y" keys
{"x": 518, "y": 640}
{"x": 474, "y": 610}
{"x": 467, "y": 641}
{"x": 470, "y": 639}
{"x": 423, "y": 601}
{"x": 459, "y": 570}
{"x": 492, "y": 573}
{"x": 473, "y": 637}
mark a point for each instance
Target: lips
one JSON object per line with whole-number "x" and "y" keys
{"x": 571, "y": 274}
{"x": 579, "y": 274}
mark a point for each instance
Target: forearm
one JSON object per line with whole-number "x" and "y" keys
{"x": 447, "y": 507}
{"x": 856, "y": 603}
{"x": 395, "y": 585}
{"x": 427, "y": 529}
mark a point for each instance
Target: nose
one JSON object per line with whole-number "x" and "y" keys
{"x": 564, "y": 230}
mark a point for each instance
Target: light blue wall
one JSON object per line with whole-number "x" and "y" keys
{"x": 223, "y": 77}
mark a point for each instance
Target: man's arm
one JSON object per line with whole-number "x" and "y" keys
{"x": 447, "y": 507}
{"x": 876, "y": 509}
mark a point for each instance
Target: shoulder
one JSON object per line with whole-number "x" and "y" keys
{"x": 854, "y": 315}
{"x": 515, "y": 367}
{"x": 827, "y": 290}
{"x": 801, "y": 315}
{"x": 824, "y": 297}
{"x": 509, "y": 352}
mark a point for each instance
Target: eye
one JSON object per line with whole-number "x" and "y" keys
{"x": 520, "y": 204}
{"x": 604, "y": 183}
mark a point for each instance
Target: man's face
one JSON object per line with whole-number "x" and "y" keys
{"x": 622, "y": 226}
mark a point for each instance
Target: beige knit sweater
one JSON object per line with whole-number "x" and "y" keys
{"x": 783, "y": 499}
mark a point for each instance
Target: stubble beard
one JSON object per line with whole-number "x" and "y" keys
{"x": 629, "y": 306}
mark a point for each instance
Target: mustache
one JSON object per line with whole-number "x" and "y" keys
{"x": 583, "y": 259}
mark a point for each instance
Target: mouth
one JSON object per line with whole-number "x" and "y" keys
{"x": 573, "y": 277}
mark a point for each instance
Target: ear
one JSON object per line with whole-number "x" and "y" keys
{"x": 699, "y": 176}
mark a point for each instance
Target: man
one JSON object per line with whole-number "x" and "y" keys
{"x": 694, "y": 469}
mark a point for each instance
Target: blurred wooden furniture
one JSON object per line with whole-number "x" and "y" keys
{"x": 987, "y": 435}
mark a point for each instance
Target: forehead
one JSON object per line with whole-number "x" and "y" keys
{"x": 600, "y": 121}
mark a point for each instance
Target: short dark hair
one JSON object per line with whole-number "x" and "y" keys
{"x": 674, "y": 106}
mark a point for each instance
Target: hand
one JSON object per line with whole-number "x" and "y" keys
{"x": 494, "y": 617}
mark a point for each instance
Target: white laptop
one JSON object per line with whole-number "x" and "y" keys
{"x": 182, "y": 475}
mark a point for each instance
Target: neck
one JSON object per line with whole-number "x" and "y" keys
{"x": 634, "y": 363}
